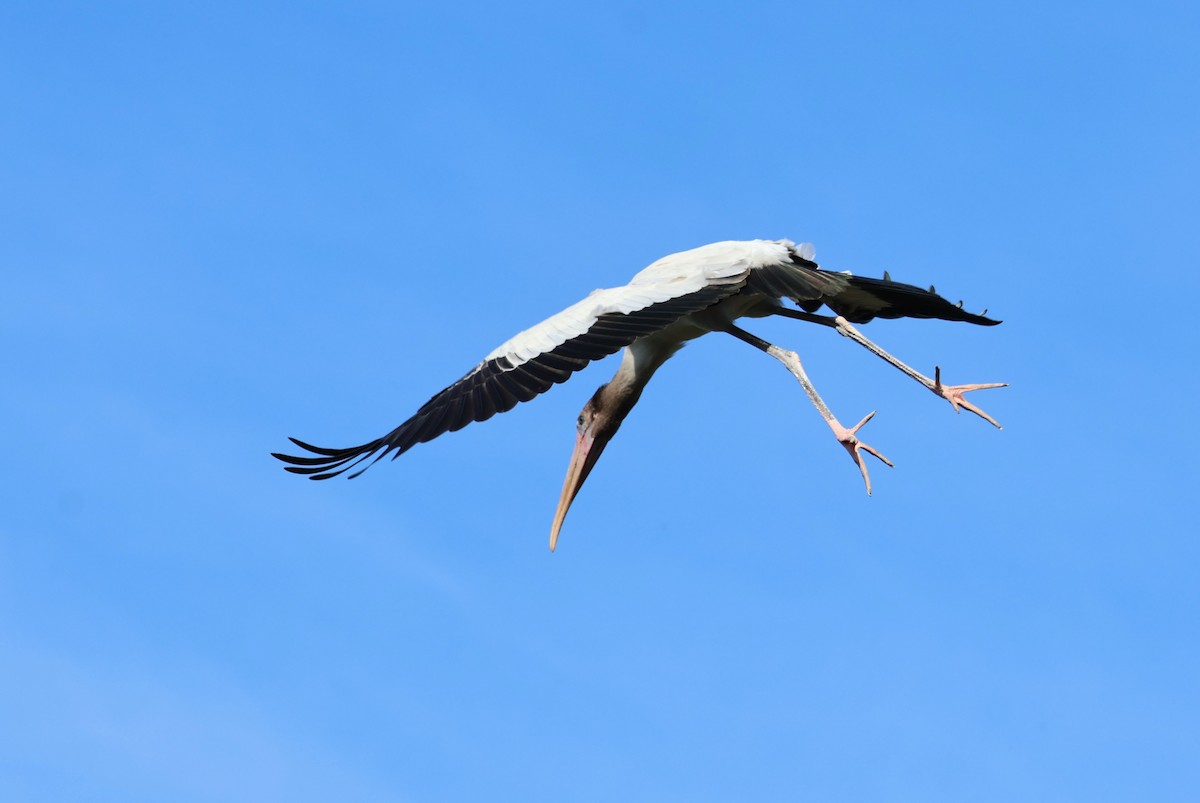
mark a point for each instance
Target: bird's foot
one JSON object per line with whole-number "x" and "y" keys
{"x": 850, "y": 442}
{"x": 954, "y": 395}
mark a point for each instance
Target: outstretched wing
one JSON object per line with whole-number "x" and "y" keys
{"x": 857, "y": 298}
{"x": 538, "y": 358}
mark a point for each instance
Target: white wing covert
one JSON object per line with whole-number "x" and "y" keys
{"x": 533, "y": 361}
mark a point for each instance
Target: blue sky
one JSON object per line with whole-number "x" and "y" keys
{"x": 224, "y": 224}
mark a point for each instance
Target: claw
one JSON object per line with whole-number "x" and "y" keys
{"x": 849, "y": 440}
{"x": 954, "y": 395}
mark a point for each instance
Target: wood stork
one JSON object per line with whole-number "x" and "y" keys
{"x": 678, "y": 298}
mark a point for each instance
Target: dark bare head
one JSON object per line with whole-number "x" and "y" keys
{"x": 599, "y": 420}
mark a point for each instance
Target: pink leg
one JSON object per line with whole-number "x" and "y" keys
{"x": 951, "y": 393}
{"x": 847, "y": 437}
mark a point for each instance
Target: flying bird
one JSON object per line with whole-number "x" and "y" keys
{"x": 676, "y": 299}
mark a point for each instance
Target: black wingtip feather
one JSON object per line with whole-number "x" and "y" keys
{"x": 903, "y": 301}
{"x": 318, "y": 449}
{"x": 499, "y": 384}
{"x": 327, "y": 462}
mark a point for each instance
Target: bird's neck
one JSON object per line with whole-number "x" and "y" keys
{"x": 638, "y": 363}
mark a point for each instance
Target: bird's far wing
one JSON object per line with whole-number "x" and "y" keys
{"x": 857, "y": 298}
{"x": 529, "y": 364}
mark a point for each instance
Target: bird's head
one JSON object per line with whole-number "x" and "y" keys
{"x": 598, "y": 421}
